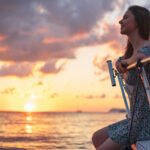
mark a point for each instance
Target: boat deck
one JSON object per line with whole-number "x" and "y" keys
{"x": 141, "y": 145}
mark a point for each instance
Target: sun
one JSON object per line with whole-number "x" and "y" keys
{"x": 29, "y": 107}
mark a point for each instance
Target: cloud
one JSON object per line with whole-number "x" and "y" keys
{"x": 104, "y": 78}
{"x": 117, "y": 96}
{"x": 40, "y": 83}
{"x": 35, "y": 30}
{"x": 50, "y": 67}
{"x": 101, "y": 65}
{"x": 9, "y": 90}
{"x": 20, "y": 70}
{"x": 92, "y": 96}
{"x": 54, "y": 95}
{"x": 32, "y": 31}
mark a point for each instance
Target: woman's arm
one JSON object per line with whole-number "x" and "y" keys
{"x": 133, "y": 59}
{"x": 123, "y": 63}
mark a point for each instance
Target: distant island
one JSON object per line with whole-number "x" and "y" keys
{"x": 117, "y": 110}
{"x": 79, "y": 111}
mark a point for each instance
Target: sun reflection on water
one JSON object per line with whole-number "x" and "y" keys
{"x": 28, "y": 128}
{"x": 28, "y": 118}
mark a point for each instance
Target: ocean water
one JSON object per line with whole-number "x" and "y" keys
{"x": 52, "y": 131}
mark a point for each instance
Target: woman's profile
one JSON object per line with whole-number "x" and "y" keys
{"x": 135, "y": 24}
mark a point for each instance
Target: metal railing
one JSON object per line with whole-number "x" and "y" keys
{"x": 113, "y": 73}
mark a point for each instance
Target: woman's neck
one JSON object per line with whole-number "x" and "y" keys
{"x": 136, "y": 41}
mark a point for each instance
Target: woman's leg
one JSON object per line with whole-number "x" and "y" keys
{"x": 110, "y": 145}
{"x": 100, "y": 136}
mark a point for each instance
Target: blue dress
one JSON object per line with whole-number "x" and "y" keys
{"x": 118, "y": 131}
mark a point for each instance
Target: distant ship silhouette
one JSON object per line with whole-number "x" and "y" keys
{"x": 117, "y": 110}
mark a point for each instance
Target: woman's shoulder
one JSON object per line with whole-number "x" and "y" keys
{"x": 145, "y": 50}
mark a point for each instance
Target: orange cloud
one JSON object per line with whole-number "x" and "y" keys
{"x": 52, "y": 40}
{"x": 54, "y": 95}
{"x": 2, "y": 37}
{"x": 102, "y": 66}
{"x": 40, "y": 83}
{"x": 3, "y": 48}
{"x": 69, "y": 39}
{"x": 62, "y": 30}
{"x": 101, "y": 63}
{"x": 9, "y": 90}
{"x": 78, "y": 36}
{"x": 43, "y": 30}
{"x": 104, "y": 78}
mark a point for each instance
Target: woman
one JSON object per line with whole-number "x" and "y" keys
{"x": 136, "y": 26}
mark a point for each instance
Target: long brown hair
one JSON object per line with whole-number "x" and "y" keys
{"x": 142, "y": 18}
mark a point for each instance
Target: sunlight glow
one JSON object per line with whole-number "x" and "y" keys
{"x": 29, "y": 118}
{"x": 29, "y": 107}
{"x": 28, "y": 129}
{"x": 33, "y": 96}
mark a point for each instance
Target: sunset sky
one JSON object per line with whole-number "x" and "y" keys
{"x": 53, "y": 54}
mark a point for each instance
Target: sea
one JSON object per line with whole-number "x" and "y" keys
{"x": 52, "y": 130}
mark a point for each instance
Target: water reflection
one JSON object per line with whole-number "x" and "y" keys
{"x": 52, "y": 131}
{"x": 28, "y": 127}
{"x": 28, "y": 118}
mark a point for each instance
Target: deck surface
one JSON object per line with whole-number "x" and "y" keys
{"x": 142, "y": 145}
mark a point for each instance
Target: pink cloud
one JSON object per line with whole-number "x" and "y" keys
{"x": 33, "y": 31}
{"x": 50, "y": 67}
{"x": 53, "y": 32}
{"x": 20, "y": 70}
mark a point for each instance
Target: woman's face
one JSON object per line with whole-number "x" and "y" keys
{"x": 128, "y": 24}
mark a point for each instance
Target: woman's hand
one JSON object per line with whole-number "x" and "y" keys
{"x": 121, "y": 66}
{"x": 124, "y": 63}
